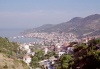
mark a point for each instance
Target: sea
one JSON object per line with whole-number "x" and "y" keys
{"x": 12, "y": 33}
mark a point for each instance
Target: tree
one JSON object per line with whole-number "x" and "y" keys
{"x": 7, "y": 47}
{"x": 34, "y": 62}
{"x": 66, "y": 61}
{"x": 40, "y": 54}
{"x": 50, "y": 54}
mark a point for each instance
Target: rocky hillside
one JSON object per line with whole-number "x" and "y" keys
{"x": 9, "y": 63}
{"x": 8, "y": 55}
{"x": 89, "y": 25}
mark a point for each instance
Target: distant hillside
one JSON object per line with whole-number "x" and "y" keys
{"x": 89, "y": 25}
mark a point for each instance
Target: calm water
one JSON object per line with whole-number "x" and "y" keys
{"x": 9, "y": 33}
{"x": 24, "y": 40}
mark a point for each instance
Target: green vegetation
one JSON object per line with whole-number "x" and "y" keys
{"x": 34, "y": 62}
{"x": 7, "y": 47}
{"x": 86, "y": 56}
{"x": 50, "y": 54}
{"x": 39, "y": 55}
{"x": 66, "y": 61}
{"x": 8, "y": 56}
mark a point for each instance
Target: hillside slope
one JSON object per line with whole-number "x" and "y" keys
{"x": 9, "y": 63}
{"x": 8, "y": 55}
{"x": 89, "y": 25}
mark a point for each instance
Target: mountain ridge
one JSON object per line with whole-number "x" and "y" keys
{"x": 76, "y": 25}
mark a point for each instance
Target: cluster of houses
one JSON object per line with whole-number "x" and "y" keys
{"x": 58, "y": 48}
{"x": 26, "y": 47}
{"x": 53, "y": 37}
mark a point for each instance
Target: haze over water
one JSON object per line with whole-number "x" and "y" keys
{"x": 11, "y": 33}
{"x": 33, "y": 13}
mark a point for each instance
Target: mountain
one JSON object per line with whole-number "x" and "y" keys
{"x": 43, "y": 27}
{"x": 40, "y": 29}
{"x": 89, "y": 25}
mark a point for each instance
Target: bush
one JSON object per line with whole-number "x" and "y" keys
{"x": 5, "y": 67}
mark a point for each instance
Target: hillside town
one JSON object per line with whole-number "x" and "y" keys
{"x": 49, "y": 34}
{"x": 52, "y": 38}
{"x": 54, "y": 44}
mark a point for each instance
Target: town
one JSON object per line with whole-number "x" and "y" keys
{"x": 49, "y": 49}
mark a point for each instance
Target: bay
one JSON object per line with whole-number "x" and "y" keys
{"x": 11, "y": 33}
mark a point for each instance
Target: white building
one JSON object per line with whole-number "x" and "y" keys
{"x": 45, "y": 51}
{"x": 27, "y": 59}
{"x": 58, "y": 45}
{"x": 61, "y": 53}
{"x": 26, "y": 47}
{"x": 32, "y": 53}
{"x": 28, "y": 51}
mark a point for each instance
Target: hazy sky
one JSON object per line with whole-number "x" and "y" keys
{"x": 33, "y": 13}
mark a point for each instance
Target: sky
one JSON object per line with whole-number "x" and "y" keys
{"x": 33, "y": 13}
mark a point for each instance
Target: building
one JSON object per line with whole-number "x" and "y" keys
{"x": 27, "y": 59}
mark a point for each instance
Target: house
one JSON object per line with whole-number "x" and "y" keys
{"x": 28, "y": 51}
{"x": 27, "y": 59}
{"x": 66, "y": 44}
{"x": 52, "y": 59}
{"x": 45, "y": 51}
{"x": 44, "y": 63}
{"x": 24, "y": 47}
{"x": 32, "y": 53}
{"x": 70, "y": 50}
{"x": 58, "y": 45}
{"x": 61, "y": 53}
{"x": 47, "y": 64}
